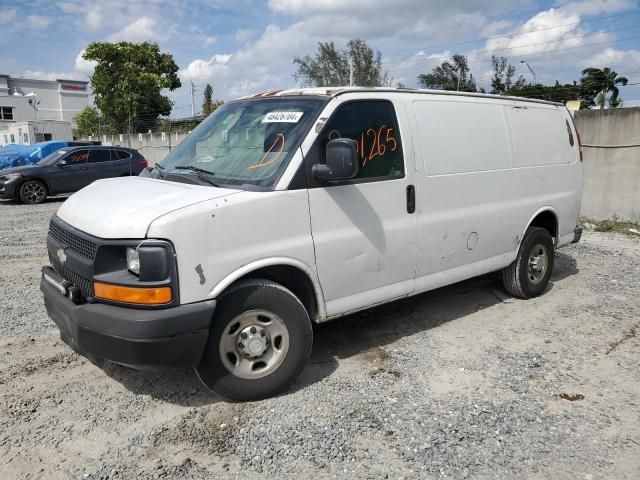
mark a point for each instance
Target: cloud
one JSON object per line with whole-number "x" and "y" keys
{"x": 94, "y": 18}
{"x": 268, "y": 58}
{"x": 7, "y": 15}
{"x": 208, "y": 41}
{"x": 596, "y": 7}
{"x": 83, "y": 66}
{"x": 41, "y": 75}
{"x": 141, "y": 29}
{"x": 200, "y": 70}
{"x": 37, "y": 22}
{"x": 244, "y": 34}
{"x": 619, "y": 60}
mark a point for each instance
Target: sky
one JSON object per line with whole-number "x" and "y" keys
{"x": 247, "y": 46}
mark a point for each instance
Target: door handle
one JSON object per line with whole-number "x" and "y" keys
{"x": 411, "y": 199}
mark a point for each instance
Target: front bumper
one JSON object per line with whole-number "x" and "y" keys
{"x": 143, "y": 339}
{"x": 8, "y": 190}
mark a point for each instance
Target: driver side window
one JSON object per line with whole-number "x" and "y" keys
{"x": 78, "y": 157}
{"x": 372, "y": 124}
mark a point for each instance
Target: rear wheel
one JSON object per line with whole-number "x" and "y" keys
{"x": 260, "y": 340}
{"x": 529, "y": 275}
{"x": 33, "y": 191}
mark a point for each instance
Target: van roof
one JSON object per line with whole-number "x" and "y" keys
{"x": 335, "y": 91}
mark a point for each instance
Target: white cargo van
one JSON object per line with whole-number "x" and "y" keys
{"x": 301, "y": 206}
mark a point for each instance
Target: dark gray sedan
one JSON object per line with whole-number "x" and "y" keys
{"x": 68, "y": 170}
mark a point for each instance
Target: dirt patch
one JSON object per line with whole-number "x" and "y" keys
{"x": 572, "y": 397}
{"x": 630, "y": 334}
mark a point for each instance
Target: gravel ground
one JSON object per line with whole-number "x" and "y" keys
{"x": 462, "y": 382}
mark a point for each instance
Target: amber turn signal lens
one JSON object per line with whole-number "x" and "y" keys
{"x": 143, "y": 296}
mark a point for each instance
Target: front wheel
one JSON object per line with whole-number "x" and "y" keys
{"x": 260, "y": 340}
{"x": 33, "y": 191}
{"x": 529, "y": 275}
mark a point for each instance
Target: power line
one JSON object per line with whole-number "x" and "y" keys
{"x": 492, "y": 51}
{"x": 524, "y": 55}
{"x": 514, "y": 34}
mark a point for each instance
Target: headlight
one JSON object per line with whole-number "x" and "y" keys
{"x": 11, "y": 176}
{"x": 133, "y": 260}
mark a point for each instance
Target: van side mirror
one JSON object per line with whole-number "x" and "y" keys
{"x": 340, "y": 162}
{"x": 61, "y": 163}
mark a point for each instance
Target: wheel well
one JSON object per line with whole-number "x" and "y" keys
{"x": 548, "y": 221}
{"x": 36, "y": 179}
{"x": 291, "y": 278}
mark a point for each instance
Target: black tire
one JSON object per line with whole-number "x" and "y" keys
{"x": 32, "y": 192}
{"x": 519, "y": 279}
{"x": 248, "y": 296}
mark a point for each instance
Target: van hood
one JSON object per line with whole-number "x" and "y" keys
{"x": 125, "y": 207}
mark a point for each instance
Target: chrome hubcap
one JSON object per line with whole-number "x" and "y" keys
{"x": 538, "y": 263}
{"x": 33, "y": 192}
{"x": 253, "y": 341}
{"x": 254, "y": 344}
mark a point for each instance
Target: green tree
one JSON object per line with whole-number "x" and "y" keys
{"x": 209, "y": 105}
{"x": 450, "y": 76}
{"x": 615, "y": 102}
{"x": 87, "y": 122}
{"x": 600, "y": 82}
{"x": 503, "y": 73}
{"x": 128, "y": 81}
{"x": 329, "y": 67}
{"x": 553, "y": 93}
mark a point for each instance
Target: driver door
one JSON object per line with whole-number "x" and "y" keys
{"x": 365, "y": 230}
{"x": 72, "y": 175}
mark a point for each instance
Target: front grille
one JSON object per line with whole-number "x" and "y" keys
{"x": 84, "y": 248}
{"x": 79, "y": 246}
{"x": 84, "y": 284}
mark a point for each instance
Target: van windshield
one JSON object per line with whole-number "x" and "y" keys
{"x": 245, "y": 142}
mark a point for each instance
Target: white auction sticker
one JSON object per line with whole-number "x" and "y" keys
{"x": 282, "y": 117}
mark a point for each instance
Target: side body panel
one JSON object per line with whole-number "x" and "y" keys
{"x": 482, "y": 179}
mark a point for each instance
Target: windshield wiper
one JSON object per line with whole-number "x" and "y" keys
{"x": 201, "y": 172}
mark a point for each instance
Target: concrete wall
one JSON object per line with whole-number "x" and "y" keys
{"x": 611, "y": 145}
{"x": 153, "y": 146}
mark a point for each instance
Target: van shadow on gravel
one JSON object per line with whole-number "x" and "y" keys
{"x": 370, "y": 329}
{"x": 346, "y": 337}
{"x": 564, "y": 266}
{"x": 179, "y": 387}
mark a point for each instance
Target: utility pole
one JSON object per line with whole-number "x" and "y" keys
{"x": 351, "y": 72}
{"x": 193, "y": 103}
{"x": 129, "y": 134}
{"x": 530, "y": 69}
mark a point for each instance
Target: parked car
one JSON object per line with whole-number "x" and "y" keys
{"x": 14, "y": 155}
{"x": 303, "y": 206}
{"x": 68, "y": 170}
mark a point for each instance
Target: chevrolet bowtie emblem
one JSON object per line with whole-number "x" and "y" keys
{"x": 61, "y": 255}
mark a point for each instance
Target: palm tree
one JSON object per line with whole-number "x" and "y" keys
{"x": 602, "y": 81}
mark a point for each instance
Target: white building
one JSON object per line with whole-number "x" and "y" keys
{"x": 37, "y": 110}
